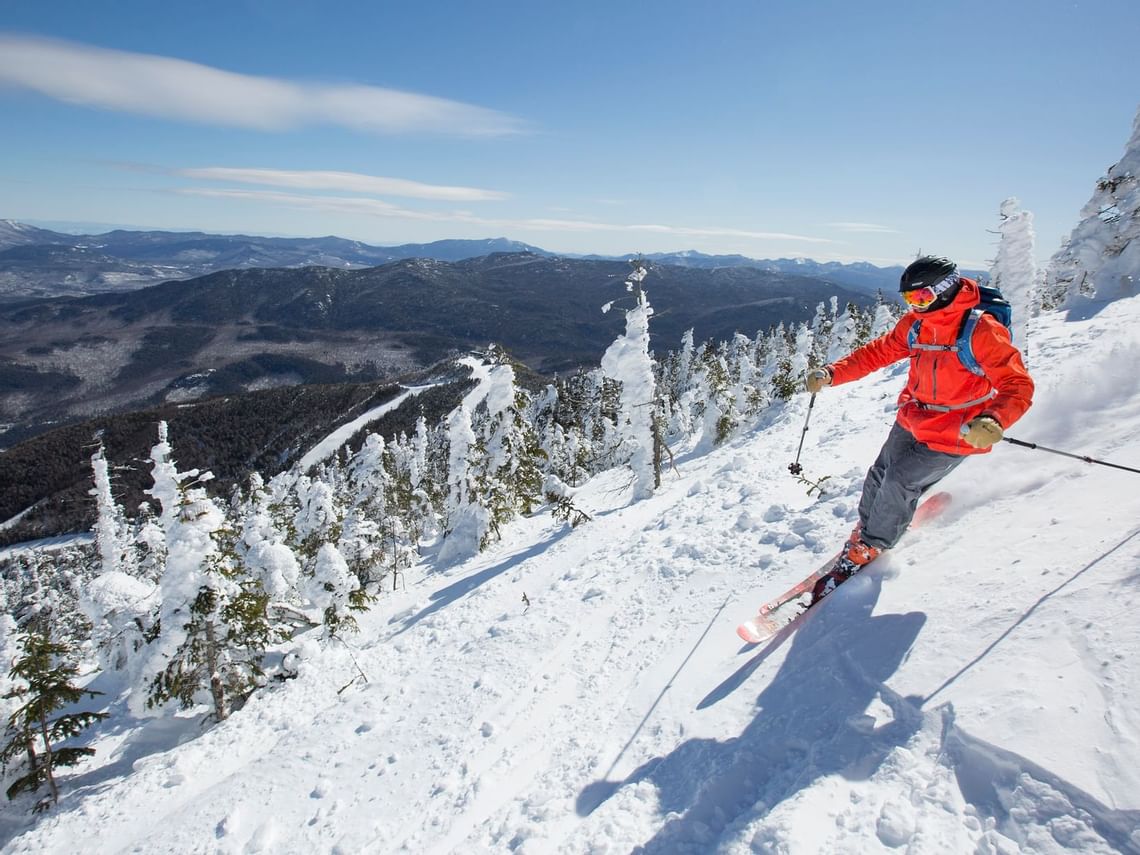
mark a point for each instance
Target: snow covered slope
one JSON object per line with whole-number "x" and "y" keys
{"x": 977, "y": 690}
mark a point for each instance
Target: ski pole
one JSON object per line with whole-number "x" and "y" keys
{"x": 795, "y": 468}
{"x": 1086, "y": 459}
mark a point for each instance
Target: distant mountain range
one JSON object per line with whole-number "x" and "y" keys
{"x": 36, "y": 262}
{"x": 236, "y": 331}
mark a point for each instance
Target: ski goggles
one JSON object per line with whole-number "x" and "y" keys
{"x": 923, "y": 298}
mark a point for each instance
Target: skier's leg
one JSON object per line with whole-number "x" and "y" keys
{"x": 903, "y": 471}
{"x": 892, "y": 447}
{"x": 911, "y": 468}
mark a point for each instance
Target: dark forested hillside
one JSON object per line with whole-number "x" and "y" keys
{"x": 63, "y": 360}
{"x": 47, "y": 479}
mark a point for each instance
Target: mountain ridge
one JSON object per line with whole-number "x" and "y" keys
{"x": 125, "y": 259}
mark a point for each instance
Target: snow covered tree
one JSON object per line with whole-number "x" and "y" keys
{"x": 719, "y": 405}
{"x": 369, "y": 489}
{"x": 402, "y": 525}
{"x": 112, "y": 533}
{"x": 1015, "y": 269}
{"x": 1101, "y": 258}
{"x": 785, "y": 378}
{"x": 118, "y": 604}
{"x": 844, "y": 334}
{"x": 212, "y": 630}
{"x": 43, "y": 676}
{"x": 334, "y": 590}
{"x": 884, "y": 318}
{"x": 262, "y": 545}
{"x": 627, "y": 360}
{"x": 120, "y": 608}
{"x": 822, "y": 327}
{"x": 318, "y": 526}
{"x": 467, "y": 521}
{"x": 319, "y": 516}
{"x": 495, "y": 459}
{"x": 747, "y": 395}
{"x": 678, "y": 389}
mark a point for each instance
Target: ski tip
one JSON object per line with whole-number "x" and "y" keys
{"x": 750, "y": 632}
{"x": 747, "y": 633}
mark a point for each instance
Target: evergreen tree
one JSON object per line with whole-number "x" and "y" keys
{"x": 335, "y": 590}
{"x": 213, "y": 626}
{"x": 1015, "y": 269}
{"x": 265, "y": 516}
{"x": 885, "y": 316}
{"x": 44, "y": 677}
{"x": 822, "y": 328}
{"x": 370, "y": 491}
{"x": 495, "y": 460}
{"x": 466, "y": 520}
{"x": 112, "y": 533}
{"x": 719, "y": 406}
{"x": 785, "y": 374}
{"x": 844, "y": 334}
{"x": 628, "y": 362}
{"x": 118, "y": 604}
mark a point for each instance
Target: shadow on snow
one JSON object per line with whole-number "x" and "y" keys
{"x": 811, "y": 722}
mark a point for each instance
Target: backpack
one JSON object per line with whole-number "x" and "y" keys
{"x": 992, "y": 303}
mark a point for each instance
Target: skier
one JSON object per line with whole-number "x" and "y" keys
{"x": 946, "y": 411}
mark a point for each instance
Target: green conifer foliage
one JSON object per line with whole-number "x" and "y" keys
{"x": 44, "y": 676}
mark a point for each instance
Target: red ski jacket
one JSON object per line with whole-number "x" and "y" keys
{"x": 941, "y": 394}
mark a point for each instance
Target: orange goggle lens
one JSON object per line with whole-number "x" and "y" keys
{"x": 920, "y": 298}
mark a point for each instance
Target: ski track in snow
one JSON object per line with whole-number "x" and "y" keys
{"x": 974, "y": 691}
{"x": 335, "y": 440}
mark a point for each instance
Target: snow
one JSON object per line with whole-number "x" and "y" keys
{"x": 328, "y": 446}
{"x": 976, "y": 690}
{"x": 9, "y": 523}
{"x": 46, "y": 544}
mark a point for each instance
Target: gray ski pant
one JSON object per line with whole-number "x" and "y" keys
{"x": 903, "y": 471}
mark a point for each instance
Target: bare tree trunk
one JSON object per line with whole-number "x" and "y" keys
{"x": 217, "y": 690}
{"x": 47, "y": 760}
{"x": 31, "y": 746}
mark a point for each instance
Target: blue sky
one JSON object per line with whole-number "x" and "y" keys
{"x": 833, "y": 130}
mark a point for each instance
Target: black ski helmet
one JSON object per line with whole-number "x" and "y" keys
{"x": 929, "y": 270}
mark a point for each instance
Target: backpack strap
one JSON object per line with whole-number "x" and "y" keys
{"x": 965, "y": 342}
{"x": 962, "y": 347}
{"x": 912, "y": 336}
{"x": 914, "y": 344}
{"x": 949, "y": 408}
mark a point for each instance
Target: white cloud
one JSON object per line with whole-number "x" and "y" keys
{"x": 352, "y": 182}
{"x": 864, "y": 228}
{"x": 177, "y": 89}
{"x": 377, "y": 207}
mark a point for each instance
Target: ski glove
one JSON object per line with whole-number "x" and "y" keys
{"x": 817, "y": 378}
{"x": 982, "y": 432}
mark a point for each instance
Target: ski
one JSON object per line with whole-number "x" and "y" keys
{"x": 778, "y": 613}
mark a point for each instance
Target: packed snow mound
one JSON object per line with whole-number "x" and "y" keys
{"x": 583, "y": 690}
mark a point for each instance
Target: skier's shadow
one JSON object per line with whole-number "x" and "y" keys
{"x": 811, "y": 722}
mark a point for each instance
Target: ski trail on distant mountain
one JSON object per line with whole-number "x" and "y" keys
{"x": 331, "y": 443}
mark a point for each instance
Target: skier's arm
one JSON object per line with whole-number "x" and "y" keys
{"x": 1004, "y": 368}
{"x": 881, "y": 352}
